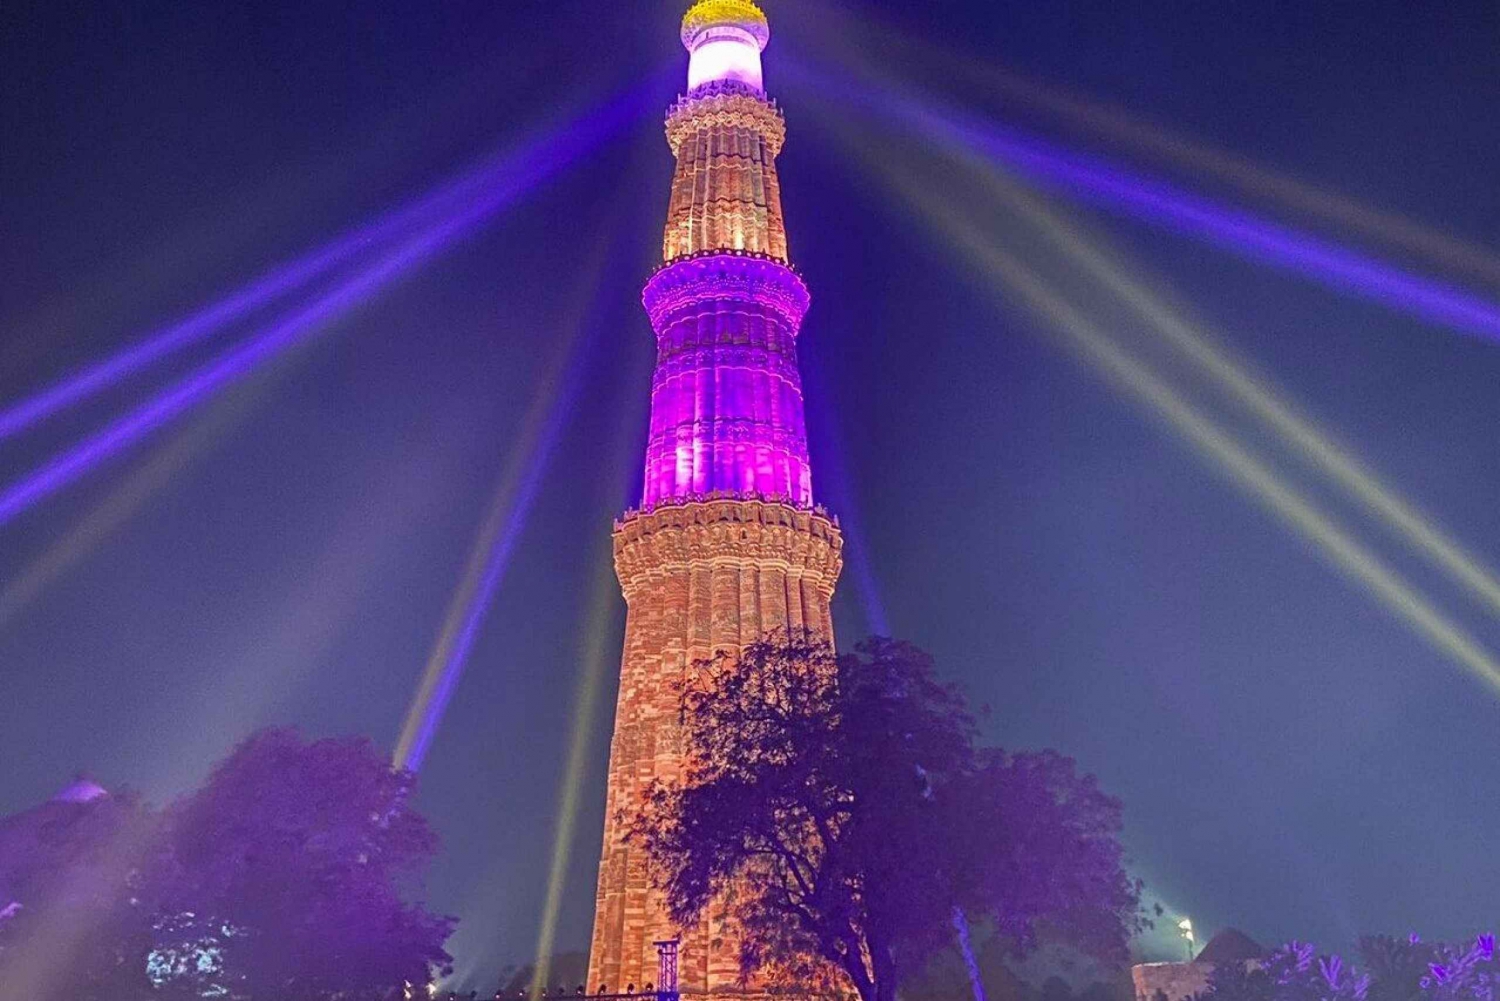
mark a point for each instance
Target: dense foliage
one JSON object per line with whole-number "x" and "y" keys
{"x": 1393, "y": 970}
{"x": 287, "y": 877}
{"x": 851, "y": 791}
{"x": 1054, "y": 973}
{"x": 71, "y": 924}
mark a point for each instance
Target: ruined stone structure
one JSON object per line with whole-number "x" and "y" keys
{"x": 1180, "y": 981}
{"x": 727, "y": 545}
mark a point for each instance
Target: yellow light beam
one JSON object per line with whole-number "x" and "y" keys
{"x": 497, "y": 517}
{"x": 1240, "y": 466}
{"x": 62, "y": 929}
{"x": 418, "y": 726}
{"x": 1098, "y": 120}
{"x": 872, "y": 46}
{"x": 596, "y": 661}
{"x": 124, "y": 501}
{"x": 596, "y": 648}
{"x": 1409, "y": 523}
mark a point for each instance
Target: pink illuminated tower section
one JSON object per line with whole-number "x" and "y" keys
{"x": 728, "y": 545}
{"x": 726, "y": 402}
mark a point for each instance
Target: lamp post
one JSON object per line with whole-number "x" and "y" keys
{"x": 1186, "y": 926}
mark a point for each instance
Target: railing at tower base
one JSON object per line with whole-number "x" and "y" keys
{"x": 665, "y": 988}
{"x": 666, "y": 978}
{"x": 666, "y": 970}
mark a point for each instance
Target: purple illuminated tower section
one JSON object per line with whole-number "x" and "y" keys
{"x": 728, "y": 545}
{"x": 726, "y": 402}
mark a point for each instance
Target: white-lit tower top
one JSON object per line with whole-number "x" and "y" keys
{"x": 724, "y": 39}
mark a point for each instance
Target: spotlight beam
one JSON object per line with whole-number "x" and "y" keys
{"x": 595, "y": 660}
{"x": 1408, "y": 523}
{"x": 1391, "y": 229}
{"x": 595, "y": 671}
{"x": 1251, "y": 474}
{"x": 526, "y": 169}
{"x": 490, "y": 556}
{"x": 865, "y": 39}
{"x": 1237, "y": 463}
{"x": 1164, "y": 206}
{"x": 470, "y": 605}
{"x": 488, "y": 560}
{"x": 839, "y": 495}
{"x": 1241, "y": 233}
{"x": 270, "y": 287}
{"x": 120, "y": 505}
{"x": 200, "y": 325}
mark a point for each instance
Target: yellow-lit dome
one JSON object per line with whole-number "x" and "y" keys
{"x": 707, "y": 15}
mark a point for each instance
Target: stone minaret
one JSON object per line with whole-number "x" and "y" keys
{"x": 727, "y": 545}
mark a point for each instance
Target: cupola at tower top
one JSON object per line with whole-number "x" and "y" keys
{"x": 725, "y": 39}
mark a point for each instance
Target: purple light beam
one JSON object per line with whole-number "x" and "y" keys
{"x": 1168, "y": 207}
{"x": 1239, "y": 232}
{"x": 495, "y": 566}
{"x": 503, "y": 526}
{"x": 262, "y": 291}
{"x": 526, "y": 169}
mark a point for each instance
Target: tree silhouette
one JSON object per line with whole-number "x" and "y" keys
{"x": 72, "y": 922}
{"x": 839, "y": 808}
{"x": 286, "y": 877}
{"x": 289, "y": 874}
{"x": 1394, "y": 970}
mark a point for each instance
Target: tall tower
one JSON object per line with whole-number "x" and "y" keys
{"x": 727, "y": 545}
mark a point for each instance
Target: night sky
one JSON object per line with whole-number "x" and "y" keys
{"x": 1294, "y": 760}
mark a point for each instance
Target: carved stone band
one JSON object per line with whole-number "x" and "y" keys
{"x": 714, "y": 107}
{"x": 728, "y": 531}
{"x": 726, "y": 277}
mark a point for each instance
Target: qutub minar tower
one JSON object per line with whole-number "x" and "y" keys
{"x": 727, "y": 545}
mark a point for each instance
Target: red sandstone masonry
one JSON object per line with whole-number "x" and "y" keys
{"x": 711, "y": 572}
{"x": 699, "y": 578}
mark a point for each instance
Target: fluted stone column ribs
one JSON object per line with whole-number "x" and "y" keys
{"x": 699, "y": 577}
{"x": 725, "y": 193}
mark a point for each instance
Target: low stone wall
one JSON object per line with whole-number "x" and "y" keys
{"x": 1175, "y": 981}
